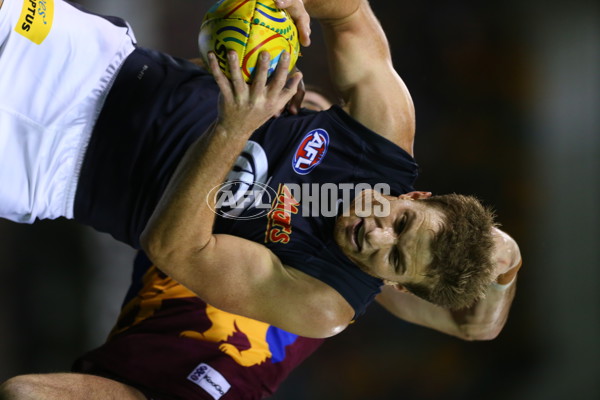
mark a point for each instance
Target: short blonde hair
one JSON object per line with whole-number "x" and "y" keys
{"x": 462, "y": 264}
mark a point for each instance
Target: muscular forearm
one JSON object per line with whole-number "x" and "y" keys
{"x": 183, "y": 218}
{"x": 483, "y": 321}
{"x": 487, "y": 317}
{"x": 182, "y": 223}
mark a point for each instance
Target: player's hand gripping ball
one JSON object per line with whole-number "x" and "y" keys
{"x": 248, "y": 27}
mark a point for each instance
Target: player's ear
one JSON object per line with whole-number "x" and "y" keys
{"x": 415, "y": 195}
{"x": 396, "y": 286}
{"x": 401, "y": 288}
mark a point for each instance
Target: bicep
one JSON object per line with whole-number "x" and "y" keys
{"x": 362, "y": 71}
{"x": 245, "y": 278}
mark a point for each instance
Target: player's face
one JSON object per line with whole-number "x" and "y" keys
{"x": 389, "y": 237}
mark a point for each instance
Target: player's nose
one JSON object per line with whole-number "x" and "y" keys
{"x": 381, "y": 237}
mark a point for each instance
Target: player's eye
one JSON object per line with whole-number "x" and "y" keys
{"x": 402, "y": 224}
{"x": 395, "y": 260}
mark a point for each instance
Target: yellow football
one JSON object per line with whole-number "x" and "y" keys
{"x": 248, "y": 27}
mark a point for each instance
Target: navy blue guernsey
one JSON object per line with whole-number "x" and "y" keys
{"x": 284, "y": 191}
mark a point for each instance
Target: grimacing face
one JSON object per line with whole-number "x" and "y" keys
{"x": 389, "y": 237}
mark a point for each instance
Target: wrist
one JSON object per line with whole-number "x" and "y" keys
{"x": 235, "y": 129}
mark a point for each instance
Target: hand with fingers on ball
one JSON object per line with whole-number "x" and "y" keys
{"x": 245, "y": 107}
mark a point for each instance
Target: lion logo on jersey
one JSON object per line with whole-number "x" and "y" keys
{"x": 241, "y": 338}
{"x": 247, "y": 341}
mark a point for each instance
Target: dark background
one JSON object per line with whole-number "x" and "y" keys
{"x": 507, "y": 103}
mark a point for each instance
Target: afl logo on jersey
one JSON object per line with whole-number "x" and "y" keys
{"x": 311, "y": 151}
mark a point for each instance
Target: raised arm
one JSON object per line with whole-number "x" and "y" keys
{"x": 362, "y": 70}
{"x": 482, "y": 321}
{"x": 231, "y": 273}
